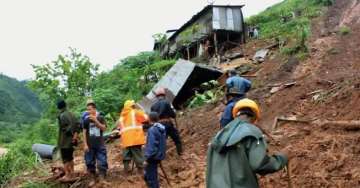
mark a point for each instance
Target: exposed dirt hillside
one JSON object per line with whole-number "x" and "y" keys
{"x": 327, "y": 87}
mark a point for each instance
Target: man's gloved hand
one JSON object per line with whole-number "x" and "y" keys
{"x": 288, "y": 152}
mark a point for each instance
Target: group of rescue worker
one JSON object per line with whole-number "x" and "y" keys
{"x": 132, "y": 124}
{"x": 235, "y": 155}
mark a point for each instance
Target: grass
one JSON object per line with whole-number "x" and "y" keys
{"x": 344, "y": 30}
{"x": 32, "y": 184}
{"x": 20, "y": 157}
{"x": 288, "y": 21}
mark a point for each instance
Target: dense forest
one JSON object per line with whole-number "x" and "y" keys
{"x": 18, "y": 103}
{"x": 19, "y": 107}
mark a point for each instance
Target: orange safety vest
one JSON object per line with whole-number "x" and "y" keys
{"x": 131, "y": 127}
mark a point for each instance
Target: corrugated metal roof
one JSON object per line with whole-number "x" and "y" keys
{"x": 174, "y": 80}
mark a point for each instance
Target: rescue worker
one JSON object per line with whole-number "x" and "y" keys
{"x": 239, "y": 151}
{"x": 233, "y": 96}
{"x": 167, "y": 115}
{"x": 235, "y": 81}
{"x": 155, "y": 150}
{"x": 130, "y": 126}
{"x": 94, "y": 144}
{"x": 68, "y": 138}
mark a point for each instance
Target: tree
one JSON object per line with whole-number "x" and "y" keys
{"x": 69, "y": 76}
{"x": 160, "y": 38}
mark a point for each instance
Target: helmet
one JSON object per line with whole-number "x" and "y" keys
{"x": 246, "y": 103}
{"x": 129, "y": 103}
{"x": 160, "y": 91}
{"x": 234, "y": 91}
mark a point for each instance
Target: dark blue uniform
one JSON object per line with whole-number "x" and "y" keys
{"x": 155, "y": 150}
{"x": 227, "y": 115}
{"x": 165, "y": 111}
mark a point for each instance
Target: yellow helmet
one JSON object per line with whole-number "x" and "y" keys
{"x": 246, "y": 103}
{"x": 129, "y": 103}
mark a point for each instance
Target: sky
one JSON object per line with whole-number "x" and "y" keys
{"x": 36, "y": 31}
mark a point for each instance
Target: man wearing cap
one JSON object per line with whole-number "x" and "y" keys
{"x": 239, "y": 151}
{"x": 68, "y": 137}
{"x": 167, "y": 115}
{"x": 234, "y": 81}
{"x": 236, "y": 89}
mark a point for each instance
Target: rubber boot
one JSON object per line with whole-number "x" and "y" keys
{"x": 179, "y": 149}
{"x": 127, "y": 167}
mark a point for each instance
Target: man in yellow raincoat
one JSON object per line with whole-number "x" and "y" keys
{"x": 130, "y": 126}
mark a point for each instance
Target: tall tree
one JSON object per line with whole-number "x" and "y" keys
{"x": 70, "y": 76}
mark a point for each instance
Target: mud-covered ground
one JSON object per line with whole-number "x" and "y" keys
{"x": 327, "y": 87}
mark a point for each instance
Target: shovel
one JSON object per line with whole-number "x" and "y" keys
{"x": 288, "y": 174}
{"x": 165, "y": 175}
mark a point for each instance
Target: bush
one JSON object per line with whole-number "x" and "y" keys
{"x": 278, "y": 22}
{"x": 17, "y": 159}
{"x": 344, "y": 30}
{"x": 201, "y": 99}
{"x": 31, "y": 184}
{"x": 20, "y": 156}
{"x": 210, "y": 93}
{"x": 325, "y": 2}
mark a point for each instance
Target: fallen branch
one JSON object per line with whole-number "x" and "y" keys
{"x": 77, "y": 183}
{"x": 275, "y": 123}
{"x": 249, "y": 76}
{"x": 349, "y": 125}
{"x": 294, "y": 120}
{"x": 315, "y": 92}
{"x": 288, "y": 84}
{"x": 291, "y": 119}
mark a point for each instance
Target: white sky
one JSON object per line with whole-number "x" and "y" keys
{"x": 36, "y": 31}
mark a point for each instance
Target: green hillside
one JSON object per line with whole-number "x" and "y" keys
{"x": 18, "y": 103}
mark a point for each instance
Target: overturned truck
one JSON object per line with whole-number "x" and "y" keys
{"x": 180, "y": 82}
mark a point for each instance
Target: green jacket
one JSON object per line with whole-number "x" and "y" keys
{"x": 236, "y": 154}
{"x": 68, "y": 125}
